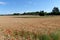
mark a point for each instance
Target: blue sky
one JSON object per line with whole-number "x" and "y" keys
{"x": 12, "y": 6}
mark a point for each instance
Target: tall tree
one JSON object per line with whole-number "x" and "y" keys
{"x": 55, "y": 11}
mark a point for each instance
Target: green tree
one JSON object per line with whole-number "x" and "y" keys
{"x": 16, "y": 13}
{"x": 41, "y": 13}
{"x": 55, "y": 11}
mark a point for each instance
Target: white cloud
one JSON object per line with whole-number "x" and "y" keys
{"x": 2, "y": 3}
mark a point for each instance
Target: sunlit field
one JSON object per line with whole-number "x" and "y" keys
{"x": 29, "y": 28}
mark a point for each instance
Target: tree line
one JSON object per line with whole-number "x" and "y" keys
{"x": 55, "y": 11}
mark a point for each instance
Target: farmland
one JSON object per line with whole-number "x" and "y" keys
{"x": 32, "y": 24}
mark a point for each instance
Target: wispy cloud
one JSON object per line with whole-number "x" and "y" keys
{"x": 2, "y": 3}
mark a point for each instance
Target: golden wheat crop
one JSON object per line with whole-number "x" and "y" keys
{"x": 45, "y": 25}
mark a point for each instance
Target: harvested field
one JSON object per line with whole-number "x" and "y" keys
{"x": 39, "y": 25}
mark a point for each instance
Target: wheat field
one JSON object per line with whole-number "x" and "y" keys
{"x": 38, "y": 25}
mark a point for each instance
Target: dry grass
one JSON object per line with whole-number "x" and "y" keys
{"x": 12, "y": 26}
